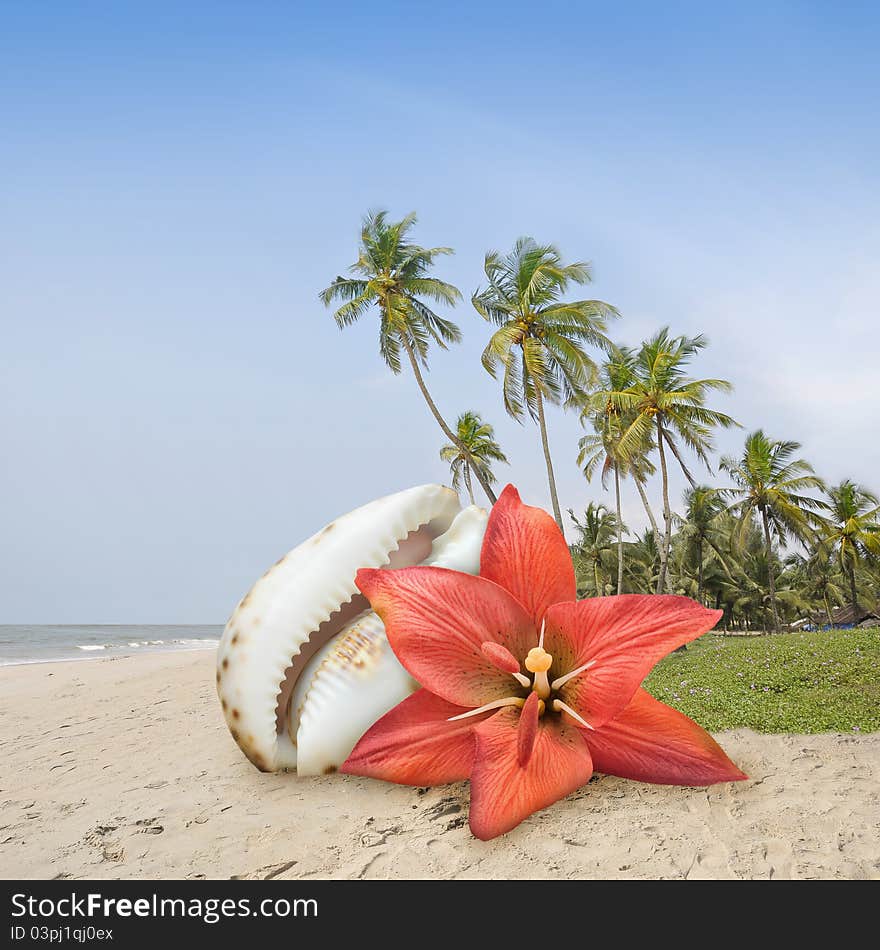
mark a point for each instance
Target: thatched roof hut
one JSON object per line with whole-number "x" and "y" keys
{"x": 845, "y": 616}
{"x": 841, "y": 617}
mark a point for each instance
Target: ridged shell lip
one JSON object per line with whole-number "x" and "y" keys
{"x": 411, "y": 550}
{"x": 303, "y": 601}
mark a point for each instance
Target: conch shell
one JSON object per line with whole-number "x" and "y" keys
{"x": 304, "y": 667}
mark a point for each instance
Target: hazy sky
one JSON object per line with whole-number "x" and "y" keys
{"x": 179, "y": 180}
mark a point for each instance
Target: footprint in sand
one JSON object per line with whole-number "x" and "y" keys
{"x": 712, "y": 863}
{"x": 102, "y": 839}
{"x": 445, "y": 858}
{"x": 778, "y": 856}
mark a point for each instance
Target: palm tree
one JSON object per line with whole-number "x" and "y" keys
{"x": 391, "y": 273}
{"x": 702, "y": 506}
{"x": 596, "y": 533}
{"x": 852, "y": 530}
{"x": 662, "y": 400}
{"x": 642, "y": 562}
{"x": 603, "y": 444}
{"x": 597, "y": 447}
{"x": 540, "y": 338}
{"x": 816, "y": 575}
{"x": 770, "y": 481}
{"x": 480, "y": 450}
{"x": 701, "y": 525}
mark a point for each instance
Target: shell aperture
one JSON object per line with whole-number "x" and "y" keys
{"x": 304, "y": 667}
{"x": 355, "y": 679}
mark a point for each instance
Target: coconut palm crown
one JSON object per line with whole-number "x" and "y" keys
{"x": 852, "y": 531}
{"x": 478, "y": 438}
{"x": 391, "y": 275}
{"x": 661, "y": 399}
{"x": 539, "y": 344}
{"x": 770, "y": 482}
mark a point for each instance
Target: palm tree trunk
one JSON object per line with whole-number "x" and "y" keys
{"x": 854, "y": 600}
{"x": 828, "y": 609}
{"x": 700, "y": 575}
{"x": 599, "y": 589}
{"x": 770, "y": 572}
{"x": 440, "y": 420}
{"x": 648, "y": 510}
{"x": 680, "y": 461}
{"x": 542, "y": 423}
{"x": 721, "y": 559}
{"x": 693, "y": 484}
{"x": 619, "y": 532}
{"x": 467, "y": 481}
{"x": 667, "y": 511}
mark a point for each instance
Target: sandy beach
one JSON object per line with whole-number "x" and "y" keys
{"x": 123, "y": 768}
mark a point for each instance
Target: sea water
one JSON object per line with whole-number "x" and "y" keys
{"x": 49, "y": 643}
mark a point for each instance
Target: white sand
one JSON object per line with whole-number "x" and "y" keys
{"x": 123, "y": 768}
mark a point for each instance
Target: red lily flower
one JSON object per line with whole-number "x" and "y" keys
{"x": 525, "y": 690}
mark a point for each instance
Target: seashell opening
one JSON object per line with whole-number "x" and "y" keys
{"x": 342, "y": 691}
{"x": 305, "y": 600}
{"x": 355, "y": 678}
{"x": 413, "y": 549}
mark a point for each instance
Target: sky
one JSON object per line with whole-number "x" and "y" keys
{"x": 178, "y": 181}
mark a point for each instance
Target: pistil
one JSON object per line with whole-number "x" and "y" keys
{"x": 538, "y": 661}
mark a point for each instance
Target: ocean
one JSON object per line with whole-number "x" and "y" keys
{"x": 47, "y": 644}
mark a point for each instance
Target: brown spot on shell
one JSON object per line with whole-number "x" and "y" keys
{"x": 260, "y": 763}
{"x": 224, "y": 704}
{"x": 328, "y": 529}
{"x": 236, "y": 714}
{"x": 234, "y": 733}
{"x": 225, "y": 663}
{"x": 244, "y": 600}
{"x": 330, "y": 770}
{"x": 234, "y": 639}
{"x": 218, "y": 677}
{"x": 361, "y": 648}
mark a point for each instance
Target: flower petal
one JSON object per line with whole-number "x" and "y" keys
{"x": 624, "y": 636}
{"x": 503, "y": 792}
{"x": 415, "y": 744}
{"x": 525, "y": 552}
{"x": 527, "y": 730}
{"x": 651, "y": 742}
{"x": 437, "y": 620}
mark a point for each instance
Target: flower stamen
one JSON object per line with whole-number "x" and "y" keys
{"x": 495, "y": 704}
{"x": 562, "y": 680}
{"x": 560, "y": 706}
{"x": 538, "y": 661}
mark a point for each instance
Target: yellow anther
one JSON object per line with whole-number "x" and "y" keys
{"x": 538, "y": 660}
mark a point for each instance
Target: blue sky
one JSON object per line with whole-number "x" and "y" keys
{"x": 179, "y": 181}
